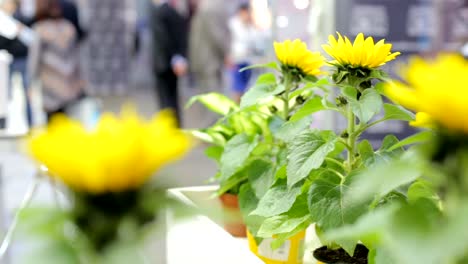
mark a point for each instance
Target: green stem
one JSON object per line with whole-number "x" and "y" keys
{"x": 364, "y": 128}
{"x": 351, "y": 142}
{"x": 285, "y": 98}
{"x": 338, "y": 174}
{"x": 337, "y": 162}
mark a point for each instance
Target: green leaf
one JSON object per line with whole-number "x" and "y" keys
{"x": 232, "y": 183}
{"x": 307, "y": 152}
{"x": 264, "y": 87}
{"x": 381, "y": 256}
{"x": 248, "y": 201}
{"x": 394, "y": 112}
{"x": 280, "y": 224}
{"x": 312, "y": 106}
{"x": 261, "y": 175}
{"x": 366, "y": 152}
{"x": 235, "y": 154}
{"x": 277, "y": 200}
{"x": 330, "y": 210}
{"x": 216, "y": 102}
{"x": 350, "y": 93}
{"x": 367, "y": 106}
{"x": 327, "y": 203}
{"x": 271, "y": 65}
{"x": 289, "y": 130}
{"x": 209, "y": 136}
{"x": 384, "y": 177}
{"x": 214, "y": 152}
{"x": 367, "y": 229}
{"x": 423, "y": 189}
{"x": 420, "y": 137}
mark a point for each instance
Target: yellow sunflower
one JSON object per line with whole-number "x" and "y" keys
{"x": 294, "y": 54}
{"x": 121, "y": 154}
{"x": 423, "y": 120}
{"x": 438, "y": 88}
{"x": 362, "y": 53}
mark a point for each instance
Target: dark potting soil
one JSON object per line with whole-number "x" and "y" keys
{"x": 339, "y": 256}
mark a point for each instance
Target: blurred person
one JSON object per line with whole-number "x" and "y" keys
{"x": 209, "y": 44}
{"x": 243, "y": 34}
{"x": 17, "y": 46}
{"x": 169, "y": 53}
{"x": 53, "y": 58}
{"x": 209, "y": 48}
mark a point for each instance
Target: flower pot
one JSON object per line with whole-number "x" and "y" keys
{"x": 339, "y": 256}
{"x": 291, "y": 252}
{"x": 233, "y": 222}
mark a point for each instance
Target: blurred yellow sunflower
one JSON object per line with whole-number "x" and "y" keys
{"x": 121, "y": 154}
{"x": 437, "y": 87}
{"x": 362, "y": 53}
{"x": 423, "y": 120}
{"x": 294, "y": 54}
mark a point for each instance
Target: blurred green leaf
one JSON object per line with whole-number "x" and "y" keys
{"x": 394, "y": 112}
{"x": 311, "y": 106}
{"x": 423, "y": 189}
{"x": 420, "y": 137}
{"x": 214, "y": 152}
{"x": 307, "y": 152}
{"x": 271, "y": 65}
{"x": 384, "y": 177}
{"x": 216, "y": 102}
{"x": 367, "y": 229}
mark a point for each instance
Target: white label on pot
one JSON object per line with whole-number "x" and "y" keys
{"x": 280, "y": 254}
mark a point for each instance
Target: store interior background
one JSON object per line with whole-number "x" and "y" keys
{"x": 422, "y": 27}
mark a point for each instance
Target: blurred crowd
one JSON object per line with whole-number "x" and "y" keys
{"x": 200, "y": 42}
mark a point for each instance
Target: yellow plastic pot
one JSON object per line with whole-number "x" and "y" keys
{"x": 292, "y": 251}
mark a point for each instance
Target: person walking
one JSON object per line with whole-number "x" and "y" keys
{"x": 242, "y": 49}
{"x": 169, "y": 53}
{"x": 53, "y": 58}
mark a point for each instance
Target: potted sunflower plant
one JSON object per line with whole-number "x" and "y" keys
{"x": 253, "y": 136}
{"x": 430, "y": 225}
{"x": 232, "y": 139}
{"x": 106, "y": 176}
{"x": 322, "y": 165}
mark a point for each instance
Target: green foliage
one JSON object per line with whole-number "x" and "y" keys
{"x": 395, "y": 112}
{"x": 384, "y": 177}
{"x": 216, "y": 102}
{"x": 270, "y": 65}
{"x": 287, "y": 224}
{"x": 367, "y": 106}
{"x": 329, "y": 207}
{"x": 261, "y": 175}
{"x": 420, "y": 137}
{"x": 289, "y": 130}
{"x": 277, "y": 200}
{"x": 248, "y": 201}
{"x": 235, "y": 154}
{"x": 308, "y": 152}
{"x": 214, "y": 152}
{"x": 311, "y": 106}
{"x": 265, "y": 86}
